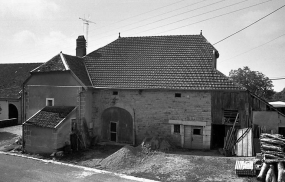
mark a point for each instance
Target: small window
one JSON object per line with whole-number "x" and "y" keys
{"x": 176, "y": 128}
{"x": 49, "y": 102}
{"x": 230, "y": 116}
{"x": 73, "y": 125}
{"x": 177, "y": 94}
{"x": 115, "y": 92}
{"x": 197, "y": 131}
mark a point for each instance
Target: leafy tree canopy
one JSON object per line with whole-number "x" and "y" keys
{"x": 254, "y": 81}
{"x": 279, "y": 96}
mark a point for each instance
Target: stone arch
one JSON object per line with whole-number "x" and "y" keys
{"x": 117, "y": 125}
{"x": 13, "y": 112}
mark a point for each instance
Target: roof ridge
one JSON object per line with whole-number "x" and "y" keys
{"x": 20, "y": 63}
{"x": 162, "y": 36}
{"x": 64, "y": 61}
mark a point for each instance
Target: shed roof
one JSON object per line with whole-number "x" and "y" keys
{"x": 50, "y": 116}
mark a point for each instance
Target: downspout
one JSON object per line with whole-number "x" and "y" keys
{"x": 134, "y": 128}
{"x": 80, "y": 120}
{"x": 23, "y": 117}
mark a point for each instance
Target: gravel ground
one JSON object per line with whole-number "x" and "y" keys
{"x": 8, "y": 135}
{"x": 178, "y": 165}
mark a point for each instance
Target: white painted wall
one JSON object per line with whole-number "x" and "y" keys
{"x": 4, "y": 111}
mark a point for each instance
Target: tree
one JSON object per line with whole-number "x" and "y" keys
{"x": 254, "y": 81}
{"x": 279, "y": 96}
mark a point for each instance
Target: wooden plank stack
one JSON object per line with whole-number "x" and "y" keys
{"x": 230, "y": 141}
{"x": 272, "y": 149}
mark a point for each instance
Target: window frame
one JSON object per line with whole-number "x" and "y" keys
{"x": 115, "y": 92}
{"x": 178, "y": 95}
{"x": 49, "y": 99}
{"x": 176, "y": 128}
{"x": 200, "y": 131}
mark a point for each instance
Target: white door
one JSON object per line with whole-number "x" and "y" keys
{"x": 193, "y": 137}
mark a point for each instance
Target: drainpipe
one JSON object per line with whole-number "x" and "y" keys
{"x": 23, "y": 117}
{"x": 134, "y": 128}
{"x": 80, "y": 120}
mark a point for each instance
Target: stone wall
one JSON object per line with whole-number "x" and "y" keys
{"x": 152, "y": 110}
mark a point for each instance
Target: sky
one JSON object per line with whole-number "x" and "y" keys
{"x": 37, "y": 30}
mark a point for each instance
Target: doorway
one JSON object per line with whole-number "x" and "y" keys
{"x": 113, "y": 131}
{"x": 218, "y": 134}
{"x": 13, "y": 113}
{"x": 193, "y": 137}
{"x": 117, "y": 125}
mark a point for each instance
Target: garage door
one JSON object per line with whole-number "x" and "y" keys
{"x": 193, "y": 137}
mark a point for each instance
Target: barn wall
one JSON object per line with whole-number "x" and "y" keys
{"x": 241, "y": 101}
{"x": 152, "y": 111}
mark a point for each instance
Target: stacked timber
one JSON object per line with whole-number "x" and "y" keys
{"x": 272, "y": 149}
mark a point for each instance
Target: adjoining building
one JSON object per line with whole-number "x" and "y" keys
{"x": 12, "y": 77}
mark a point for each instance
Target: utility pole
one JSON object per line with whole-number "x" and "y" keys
{"x": 86, "y": 23}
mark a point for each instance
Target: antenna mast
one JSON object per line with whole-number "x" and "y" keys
{"x": 86, "y": 23}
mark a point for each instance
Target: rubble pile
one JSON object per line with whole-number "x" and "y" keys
{"x": 127, "y": 156}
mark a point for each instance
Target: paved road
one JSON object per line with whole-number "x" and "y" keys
{"x": 18, "y": 169}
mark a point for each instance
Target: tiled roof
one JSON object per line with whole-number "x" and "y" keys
{"x": 12, "y": 77}
{"x": 54, "y": 64}
{"x": 73, "y": 63}
{"x": 76, "y": 64}
{"x": 50, "y": 116}
{"x": 157, "y": 62}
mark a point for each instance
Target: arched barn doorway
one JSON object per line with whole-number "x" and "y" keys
{"x": 117, "y": 125}
{"x": 13, "y": 113}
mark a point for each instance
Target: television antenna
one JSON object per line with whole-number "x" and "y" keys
{"x": 86, "y": 23}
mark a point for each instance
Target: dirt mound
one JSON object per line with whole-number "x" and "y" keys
{"x": 155, "y": 143}
{"x": 126, "y": 157}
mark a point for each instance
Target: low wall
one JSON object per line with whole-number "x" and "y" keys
{"x": 8, "y": 122}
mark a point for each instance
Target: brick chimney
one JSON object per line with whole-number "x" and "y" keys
{"x": 80, "y": 46}
{"x": 215, "y": 57}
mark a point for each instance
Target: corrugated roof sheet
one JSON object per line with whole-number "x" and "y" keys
{"x": 12, "y": 77}
{"x": 50, "y": 116}
{"x": 157, "y": 62}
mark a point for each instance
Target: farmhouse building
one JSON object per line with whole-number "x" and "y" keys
{"x": 136, "y": 87}
{"x": 11, "y": 78}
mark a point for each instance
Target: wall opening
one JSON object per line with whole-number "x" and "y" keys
{"x": 113, "y": 131}
{"x": 117, "y": 125}
{"x": 13, "y": 113}
{"x": 218, "y": 134}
